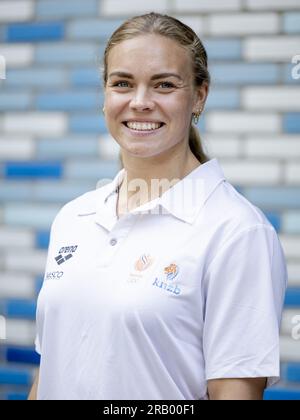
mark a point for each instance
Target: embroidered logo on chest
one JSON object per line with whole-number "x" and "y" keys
{"x": 170, "y": 273}
{"x": 65, "y": 253}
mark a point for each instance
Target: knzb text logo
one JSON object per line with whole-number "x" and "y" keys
{"x": 65, "y": 253}
{"x": 170, "y": 272}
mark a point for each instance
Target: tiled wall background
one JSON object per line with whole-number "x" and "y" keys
{"x": 54, "y": 145}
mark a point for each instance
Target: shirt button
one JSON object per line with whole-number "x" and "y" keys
{"x": 113, "y": 242}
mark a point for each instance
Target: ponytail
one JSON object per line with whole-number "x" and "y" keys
{"x": 196, "y": 145}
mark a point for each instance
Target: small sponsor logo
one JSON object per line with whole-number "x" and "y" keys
{"x": 170, "y": 273}
{"x": 54, "y": 275}
{"x": 65, "y": 253}
{"x": 142, "y": 264}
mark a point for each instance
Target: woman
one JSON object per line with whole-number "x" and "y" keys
{"x": 174, "y": 291}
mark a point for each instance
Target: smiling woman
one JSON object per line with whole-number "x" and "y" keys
{"x": 177, "y": 296}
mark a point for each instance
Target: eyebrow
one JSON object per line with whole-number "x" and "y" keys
{"x": 154, "y": 77}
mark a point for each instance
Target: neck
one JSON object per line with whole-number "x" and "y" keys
{"x": 171, "y": 167}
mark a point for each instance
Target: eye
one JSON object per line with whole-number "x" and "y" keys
{"x": 121, "y": 84}
{"x": 166, "y": 85}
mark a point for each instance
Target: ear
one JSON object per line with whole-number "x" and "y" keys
{"x": 200, "y": 96}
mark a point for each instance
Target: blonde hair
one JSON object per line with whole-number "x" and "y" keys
{"x": 167, "y": 26}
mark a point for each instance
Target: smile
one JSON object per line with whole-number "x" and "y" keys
{"x": 143, "y": 126}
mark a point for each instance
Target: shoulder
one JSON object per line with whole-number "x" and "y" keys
{"x": 86, "y": 203}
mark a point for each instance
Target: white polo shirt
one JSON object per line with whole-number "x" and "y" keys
{"x": 151, "y": 306}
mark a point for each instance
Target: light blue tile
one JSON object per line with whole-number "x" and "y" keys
{"x": 89, "y": 123}
{"x": 86, "y": 77}
{"x": 241, "y": 73}
{"x": 273, "y": 198}
{"x": 220, "y": 49}
{"x": 15, "y": 101}
{"x": 91, "y": 169}
{"x": 15, "y": 191}
{"x": 291, "y": 73}
{"x": 66, "y": 8}
{"x": 70, "y": 100}
{"x": 36, "y": 77}
{"x": 30, "y": 32}
{"x": 291, "y": 222}
{"x": 92, "y": 28}
{"x": 49, "y": 192}
{"x": 62, "y": 53}
{"x": 68, "y": 147}
{"x": 291, "y": 122}
{"x": 30, "y": 215}
{"x": 223, "y": 99}
{"x": 291, "y": 23}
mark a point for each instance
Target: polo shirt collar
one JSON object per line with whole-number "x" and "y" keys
{"x": 184, "y": 200}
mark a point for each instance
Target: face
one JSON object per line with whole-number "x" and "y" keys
{"x": 150, "y": 95}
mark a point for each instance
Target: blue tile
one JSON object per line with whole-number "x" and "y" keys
{"x": 88, "y": 123}
{"x": 68, "y": 147}
{"x": 36, "y": 77}
{"x": 29, "y": 32}
{"x": 282, "y": 394}
{"x": 241, "y": 73}
{"x": 17, "y": 396}
{"x": 20, "y": 308}
{"x": 66, "y": 8}
{"x": 291, "y": 123}
{"x": 22, "y": 355}
{"x": 86, "y": 77}
{"x": 16, "y": 101}
{"x": 270, "y": 199}
{"x": 275, "y": 220}
{"x": 38, "y": 284}
{"x": 93, "y": 28}
{"x": 220, "y": 49}
{"x": 223, "y": 99}
{"x": 10, "y": 376}
{"x": 291, "y": 23}
{"x": 292, "y": 297}
{"x": 70, "y": 101}
{"x": 42, "y": 239}
{"x": 293, "y": 372}
{"x": 33, "y": 170}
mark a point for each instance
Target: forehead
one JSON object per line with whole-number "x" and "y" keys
{"x": 149, "y": 54}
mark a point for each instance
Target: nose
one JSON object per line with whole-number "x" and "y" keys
{"x": 141, "y": 100}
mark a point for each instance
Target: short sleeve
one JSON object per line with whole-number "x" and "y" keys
{"x": 244, "y": 290}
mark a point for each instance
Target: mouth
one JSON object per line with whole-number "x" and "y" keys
{"x": 145, "y": 126}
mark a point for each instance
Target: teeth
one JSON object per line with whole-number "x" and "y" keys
{"x": 143, "y": 126}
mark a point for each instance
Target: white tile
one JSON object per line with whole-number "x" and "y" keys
{"x": 278, "y": 49}
{"x": 277, "y": 98}
{"x": 272, "y": 4}
{"x": 242, "y": 122}
{"x": 40, "y": 123}
{"x": 287, "y": 321}
{"x": 20, "y": 332}
{"x": 108, "y": 148}
{"x": 16, "y": 238}
{"x": 292, "y": 172}
{"x": 207, "y": 5}
{"x": 284, "y": 146}
{"x": 19, "y": 55}
{"x": 17, "y": 148}
{"x": 291, "y": 246}
{"x": 16, "y": 10}
{"x": 222, "y": 145}
{"x": 251, "y": 173}
{"x": 17, "y": 286}
{"x": 197, "y": 23}
{"x": 243, "y": 24}
{"x": 120, "y": 8}
{"x": 293, "y": 273}
{"x": 289, "y": 349}
{"x": 31, "y": 262}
